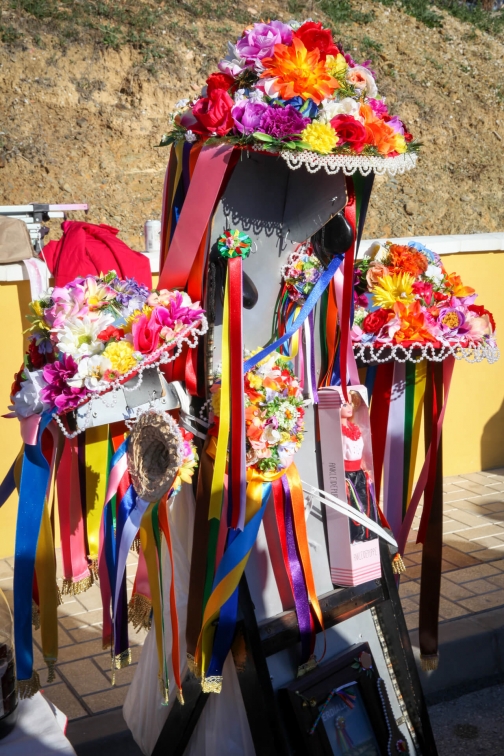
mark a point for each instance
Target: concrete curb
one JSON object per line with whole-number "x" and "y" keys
{"x": 471, "y": 649}
{"x": 105, "y": 733}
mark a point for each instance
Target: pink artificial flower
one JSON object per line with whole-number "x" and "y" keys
{"x": 423, "y": 290}
{"x": 145, "y": 333}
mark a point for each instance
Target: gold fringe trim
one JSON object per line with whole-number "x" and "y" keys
{"x": 135, "y": 546}
{"x": 93, "y": 569}
{"x": 398, "y": 566}
{"x": 35, "y": 616}
{"x": 123, "y": 659}
{"x": 70, "y": 588}
{"x": 165, "y": 691}
{"x": 139, "y": 612}
{"x": 60, "y": 597}
{"x": 429, "y": 662}
{"x": 106, "y": 644}
{"x": 180, "y": 697}
{"x": 308, "y": 666}
{"x": 51, "y": 670}
{"x": 211, "y": 684}
{"x": 28, "y": 688}
{"x": 192, "y": 666}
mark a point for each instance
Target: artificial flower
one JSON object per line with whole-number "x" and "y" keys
{"x": 145, "y": 332}
{"x": 480, "y": 311}
{"x": 281, "y": 122}
{"x": 329, "y": 109}
{"x": 79, "y": 336}
{"x": 259, "y": 42}
{"x": 392, "y": 288}
{"x": 350, "y": 132}
{"x": 423, "y": 290}
{"x": 336, "y": 65}
{"x": 320, "y": 137}
{"x": 97, "y": 294}
{"x": 92, "y": 371}
{"x": 314, "y": 37}
{"x": 362, "y": 79}
{"x": 451, "y": 320}
{"x": 374, "y": 321}
{"x": 247, "y": 116}
{"x": 404, "y": 259}
{"x": 111, "y": 332}
{"x": 121, "y": 356}
{"x": 379, "y": 134}
{"x": 305, "y": 107}
{"x": 379, "y": 107}
{"x": 36, "y": 356}
{"x": 293, "y": 71}
{"x": 479, "y": 327}
{"x": 60, "y": 392}
{"x": 413, "y": 327}
{"x": 28, "y": 399}
{"x": 375, "y": 272}
{"x": 378, "y": 253}
{"x": 454, "y": 282}
{"x": 213, "y": 113}
{"x": 219, "y": 81}
{"x": 232, "y": 64}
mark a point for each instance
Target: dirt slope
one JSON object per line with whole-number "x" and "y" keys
{"x": 80, "y": 122}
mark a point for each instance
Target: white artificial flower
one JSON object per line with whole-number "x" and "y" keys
{"x": 434, "y": 272}
{"x": 190, "y": 136}
{"x": 256, "y": 96}
{"x": 232, "y": 64}
{"x": 271, "y": 435}
{"x": 181, "y": 104}
{"x": 240, "y": 95}
{"x": 362, "y": 79}
{"x": 27, "y": 401}
{"x": 378, "y": 253}
{"x": 90, "y": 373}
{"x": 331, "y": 108}
{"x": 79, "y": 337}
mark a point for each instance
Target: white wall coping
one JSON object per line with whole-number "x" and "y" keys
{"x": 443, "y": 245}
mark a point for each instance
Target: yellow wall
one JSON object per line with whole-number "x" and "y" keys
{"x": 473, "y": 432}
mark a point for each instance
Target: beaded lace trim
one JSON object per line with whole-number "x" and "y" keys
{"x": 419, "y": 352}
{"x": 349, "y": 164}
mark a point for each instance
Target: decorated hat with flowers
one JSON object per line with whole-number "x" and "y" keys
{"x": 289, "y": 88}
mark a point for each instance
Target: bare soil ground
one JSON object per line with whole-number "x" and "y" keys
{"x": 81, "y": 114}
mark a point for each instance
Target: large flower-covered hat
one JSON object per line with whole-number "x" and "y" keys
{"x": 289, "y": 88}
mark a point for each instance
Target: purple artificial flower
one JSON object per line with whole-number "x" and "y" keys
{"x": 247, "y": 115}
{"x": 452, "y": 320}
{"x": 396, "y": 124}
{"x": 60, "y": 393}
{"x": 258, "y": 43}
{"x": 281, "y": 122}
{"x": 379, "y": 107}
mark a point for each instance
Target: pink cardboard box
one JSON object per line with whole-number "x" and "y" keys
{"x": 350, "y": 563}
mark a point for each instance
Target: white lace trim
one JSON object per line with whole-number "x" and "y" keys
{"x": 418, "y": 352}
{"x": 349, "y": 164}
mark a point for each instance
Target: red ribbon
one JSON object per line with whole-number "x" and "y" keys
{"x": 237, "y": 436}
{"x": 348, "y": 272}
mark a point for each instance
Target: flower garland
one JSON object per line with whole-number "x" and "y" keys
{"x": 405, "y": 298}
{"x": 301, "y": 272}
{"x": 289, "y": 87}
{"x": 91, "y": 335}
{"x": 274, "y": 415}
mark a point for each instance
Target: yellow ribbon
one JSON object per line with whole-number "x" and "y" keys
{"x": 418, "y": 400}
{"x": 96, "y": 484}
{"x": 294, "y": 341}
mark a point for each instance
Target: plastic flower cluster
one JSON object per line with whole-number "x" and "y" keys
{"x": 403, "y": 295}
{"x": 301, "y": 273}
{"x": 274, "y": 414}
{"x": 89, "y": 334}
{"x": 189, "y": 461}
{"x": 290, "y": 86}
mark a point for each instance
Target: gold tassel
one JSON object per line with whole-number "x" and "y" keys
{"x": 123, "y": 659}
{"x": 308, "y": 666}
{"x": 211, "y": 684}
{"x": 139, "y": 612}
{"x": 35, "y": 616}
{"x": 429, "y": 662}
{"x": 51, "y": 670}
{"x": 180, "y": 697}
{"x": 93, "y": 569}
{"x": 165, "y": 691}
{"x": 28, "y": 688}
{"x": 70, "y": 588}
{"x": 135, "y": 546}
{"x": 398, "y": 566}
{"x": 60, "y": 597}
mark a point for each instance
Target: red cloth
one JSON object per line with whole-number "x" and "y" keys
{"x": 86, "y": 249}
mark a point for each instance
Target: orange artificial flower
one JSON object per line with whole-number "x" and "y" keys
{"x": 379, "y": 134}
{"x": 406, "y": 259}
{"x": 412, "y": 321}
{"x": 454, "y": 282}
{"x": 295, "y": 72}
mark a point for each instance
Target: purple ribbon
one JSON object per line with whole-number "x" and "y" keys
{"x": 301, "y": 602}
{"x": 311, "y": 357}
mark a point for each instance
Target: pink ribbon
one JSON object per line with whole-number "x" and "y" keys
{"x": 73, "y": 548}
{"x": 29, "y": 429}
{"x": 353, "y": 373}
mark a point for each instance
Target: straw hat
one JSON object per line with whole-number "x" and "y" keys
{"x": 154, "y": 454}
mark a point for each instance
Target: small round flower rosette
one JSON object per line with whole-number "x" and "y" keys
{"x": 234, "y": 243}
{"x": 301, "y": 273}
{"x": 274, "y": 415}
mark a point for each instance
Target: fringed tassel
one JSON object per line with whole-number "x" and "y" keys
{"x": 211, "y": 684}
{"x": 192, "y": 666}
{"x": 165, "y": 691}
{"x": 308, "y": 666}
{"x": 135, "y": 546}
{"x": 93, "y": 569}
{"x": 71, "y": 588}
{"x": 429, "y": 662}
{"x": 123, "y": 659}
{"x": 51, "y": 670}
{"x": 140, "y": 612}
{"x": 398, "y": 566}
{"x": 28, "y": 688}
{"x": 180, "y": 697}
{"x": 60, "y": 597}
{"x": 35, "y": 616}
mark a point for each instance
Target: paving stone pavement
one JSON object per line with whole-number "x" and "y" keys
{"x": 472, "y": 582}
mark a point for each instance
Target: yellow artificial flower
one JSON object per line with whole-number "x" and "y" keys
{"x": 146, "y": 310}
{"x": 399, "y": 143}
{"x": 120, "y": 355}
{"x": 336, "y": 65}
{"x": 216, "y": 398}
{"x": 395, "y": 287}
{"x": 321, "y": 137}
{"x": 255, "y": 380}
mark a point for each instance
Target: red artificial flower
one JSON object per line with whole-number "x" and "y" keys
{"x": 36, "y": 359}
{"x": 111, "y": 332}
{"x": 374, "y": 321}
{"x": 479, "y": 310}
{"x": 313, "y": 35}
{"x": 219, "y": 81}
{"x": 213, "y": 113}
{"x": 18, "y": 379}
{"x": 350, "y": 131}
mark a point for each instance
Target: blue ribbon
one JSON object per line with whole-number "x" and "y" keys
{"x": 119, "y": 599}
{"x": 308, "y": 306}
{"x": 8, "y": 485}
{"x": 32, "y": 493}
